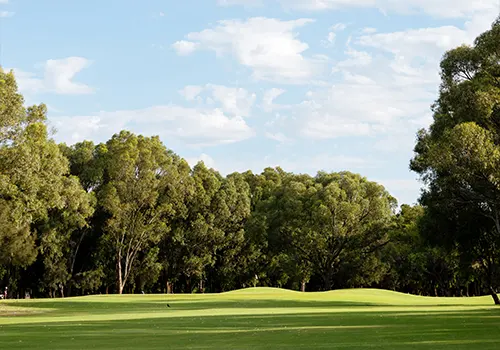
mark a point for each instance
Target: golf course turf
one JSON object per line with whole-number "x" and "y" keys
{"x": 255, "y": 318}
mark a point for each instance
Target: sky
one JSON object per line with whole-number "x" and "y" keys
{"x": 307, "y": 85}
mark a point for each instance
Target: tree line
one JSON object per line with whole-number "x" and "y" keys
{"x": 129, "y": 215}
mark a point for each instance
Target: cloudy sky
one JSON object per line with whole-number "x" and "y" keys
{"x": 244, "y": 84}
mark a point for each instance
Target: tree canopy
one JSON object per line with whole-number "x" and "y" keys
{"x": 459, "y": 156}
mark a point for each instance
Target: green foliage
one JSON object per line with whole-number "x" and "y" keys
{"x": 39, "y": 201}
{"x": 330, "y": 224}
{"x": 133, "y": 197}
{"x": 89, "y": 281}
{"x": 459, "y": 157}
{"x": 12, "y": 112}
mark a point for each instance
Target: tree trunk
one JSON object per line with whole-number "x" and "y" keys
{"x": 303, "y": 286}
{"x": 327, "y": 280}
{"x": 494, "y": 296}
{"x": 119, "y": 279}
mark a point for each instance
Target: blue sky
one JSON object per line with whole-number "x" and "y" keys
{"x": 244, "y": 84}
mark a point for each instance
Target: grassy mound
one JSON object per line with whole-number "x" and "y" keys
{"x": 261, "y": 290}
{"x": 362, "y": 295}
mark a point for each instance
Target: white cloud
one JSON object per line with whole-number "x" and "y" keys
{"x": 441, "y": 8}
{"x": 193, "y": 126}
{"x": 355, "y": 58}
{"x": 279, "y": 127}
{"x": 328, "y": 162}
{"x": 434, "y": 8}
{"x": 27, "y": 81}
{"x": 357, "y": 79}
{"x": 269, "y": 97}
{"x": 57, "y": 77}
{"x": 184, "y": 48}
{"x": 332, "y": 35}
{"x": 205, "y": 158}
{"x": 6, "y": 13}
{"x": 406, "y": 191}
{"x": 279, "y": 137}
{"x": 369, "y": 30}
{"x": 246, "y": 3}
{"x": 358, "y": 106}
{"x": 387, "y": 90}
{"x": 191, "y": 92}
{"x": 425, "y": 41}
{"x": 338, "y": 27}
{"x": 330, "y": 38}
{"x": 269, "y": 47}
{"x": 75, "y": 129}
{"x": 318, "y": 5}
{"x": 234, "y": 101}
{"x": 52, "y": 109}
{"x": 330, "y": 126}
{"x": 279, "y": 120}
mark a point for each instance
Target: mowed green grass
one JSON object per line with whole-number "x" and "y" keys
{"x": 256, "y": 318}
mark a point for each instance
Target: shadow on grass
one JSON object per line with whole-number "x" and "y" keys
{"x": 474, "y": 330}
{"x": 97, "y": 307}
{"x": 65, "y": 307}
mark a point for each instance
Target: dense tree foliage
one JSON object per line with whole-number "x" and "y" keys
{"x": 42, "y": 207}
{"x": 130, "y": 216}
{"x": 459, "y": 157}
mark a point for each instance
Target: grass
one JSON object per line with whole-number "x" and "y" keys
{"x": 255, "y": 318}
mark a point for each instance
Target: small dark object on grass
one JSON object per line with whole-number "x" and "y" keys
{"x": 168, "y": 305}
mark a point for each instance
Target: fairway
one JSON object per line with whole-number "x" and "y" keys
{"x": 256, "y": 318}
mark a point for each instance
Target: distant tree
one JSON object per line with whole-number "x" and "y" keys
{"x": 87, "y": 162}
{"x": 414, "y": 264}
{"x": 350, "y": 217}
{"x": 133, "y": 196}
{"x": 328, "y": 223}
{"x": 233, "y": 254}
{"x": 195, "y": 238}
{"x": 61, "y": 233}
{"x": 271, "y": 263}
{"x": 404, "y": 242}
